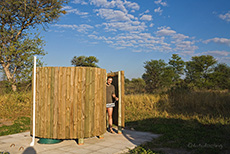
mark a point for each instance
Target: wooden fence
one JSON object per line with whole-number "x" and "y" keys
{"x": 70, "y": 102}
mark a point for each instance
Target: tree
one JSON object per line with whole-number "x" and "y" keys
{"x": 198, "y": 69}
{"x": 16, "y": 45}
{"x": 220, "y": 78}
{"x": 178, "y": 66}
{"x": 85, "y": 61}
{"x": 135, "y": 86}
{"x": 157, "y": 75}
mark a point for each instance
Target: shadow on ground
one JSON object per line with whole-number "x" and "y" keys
{"x": 29, "y": 150}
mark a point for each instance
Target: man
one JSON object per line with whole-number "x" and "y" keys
{"x": 110, "y": 94}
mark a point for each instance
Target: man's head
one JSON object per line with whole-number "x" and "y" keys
{"x": 109, "y": 80}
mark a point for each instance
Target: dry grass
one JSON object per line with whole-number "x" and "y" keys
{"x": 183, "y": 119}
{"x": 15, "y": 105}
{"x": 204, "y": 106}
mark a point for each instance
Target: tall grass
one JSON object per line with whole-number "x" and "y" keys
{"x": 186, "y": 119}
{"x": 15, "y": 105}
{"x": 194, "y": 121}
{"x": 204, "y": 106}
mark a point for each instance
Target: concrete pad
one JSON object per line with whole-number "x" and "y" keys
{"x": 110, "y": 144}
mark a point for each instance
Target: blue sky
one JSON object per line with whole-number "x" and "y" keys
{"x": 123, "y": 34}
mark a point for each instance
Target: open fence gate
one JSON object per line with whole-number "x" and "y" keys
{"x": 119, "y": 109}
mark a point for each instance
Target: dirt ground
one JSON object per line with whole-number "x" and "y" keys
{"x": 6, "y": 122}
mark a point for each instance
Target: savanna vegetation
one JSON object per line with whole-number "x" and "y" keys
{"x": 186, "y": 102}
{"x": 192, "y": 117}
{"x": 190, "y": 122}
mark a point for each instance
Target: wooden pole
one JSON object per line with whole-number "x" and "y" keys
{"x": 119, "y": 102}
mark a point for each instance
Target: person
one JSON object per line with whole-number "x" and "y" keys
{"x": 110, "y": 94}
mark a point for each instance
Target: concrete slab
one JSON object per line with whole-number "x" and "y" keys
{"x": 111, "y": 144}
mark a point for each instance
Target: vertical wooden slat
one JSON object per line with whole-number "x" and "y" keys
{"x": 38, "y": 103}
{"x": 87, "y": 107}
{"x": 60, "y": 103}
{"x": 91, "y": 101}
{"x": 100, "y": 106}
{"x": 83, "y": 102}
{"x": 55, "y": 102}
{"x": 67, "y": 104}
{"x": 123, "y": 102}
{"x": 79, "y": 103}
{"x": 119, "y": 102}
{"x": 63, "y": 103}
{"x": 71, "y": 99}
{"x": 51, "y": 128}
{"x": 75, "y": 103}
{"x": 47, "y": 102}
{"x": 96, "y": 104}
{"x": 92, "y": 92}
{"x": 103, "y": 100}
{"x": 48, "y": 98}
{"x": 43, "y": 103}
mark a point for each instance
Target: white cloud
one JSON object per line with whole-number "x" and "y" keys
{"x": 187, "y": 53}
{"x": 114, "y": 15}
{"x": 114, "y": 3}
{"x": 69, "y": 9}
{"x": 97, "y": 37}
{"x": 160, "y": 2}
{"x": 178, "y": 42}
{"x": 147, "y": 11}
{"x": 158, "y": 10}
{"x": 165, "y": 31}
{"x": 146, "y": 36}
{"x": 80, "y": 28}
{"x": 99, "y": 3}
{"x": 146, "y": 17}
{"x": 84, "y": 28}
{"x": 65, "y": 26}
{"x": 123, "y": 29}
{"x": 216, "y": 53}
{"x": 151, "y": 25}
{"x": 132, "y": 5}
{"x": 179, "y": 37}
{"x": 82, "y": 2}
{"x": 185, "y": 46}
{"x": 218, "y": 40}
{"x": 76, "y": 11}
{"x": 124, "y": 26}
{"x": 109, "y": 42}
{"x": 225, "y": 16}
{"x": 66, "y": 7}
{"x": 122, "y": 5}
{"x": 224, "y": 60}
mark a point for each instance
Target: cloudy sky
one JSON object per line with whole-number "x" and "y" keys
{"x": 123, "y": 34}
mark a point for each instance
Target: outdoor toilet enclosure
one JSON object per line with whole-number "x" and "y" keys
{"x": 71, "y": 102}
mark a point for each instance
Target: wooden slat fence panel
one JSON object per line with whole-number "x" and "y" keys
{"x": 70, "y": 102}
